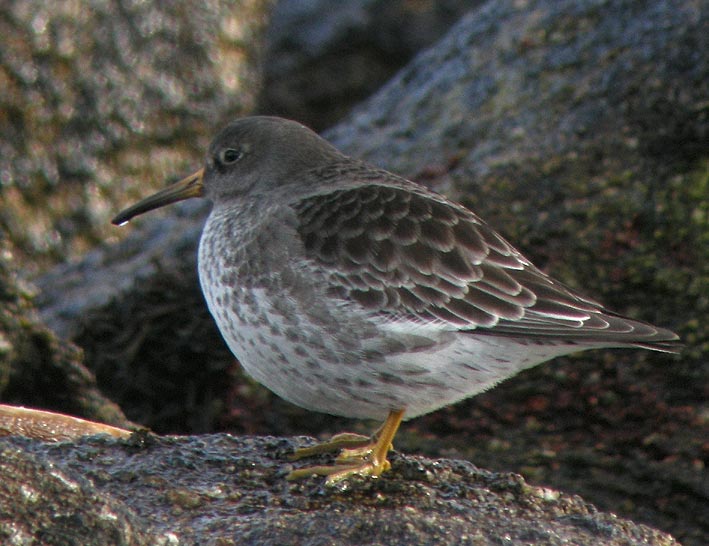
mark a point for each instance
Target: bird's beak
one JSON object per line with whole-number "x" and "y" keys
{"x": 190, "y": 186}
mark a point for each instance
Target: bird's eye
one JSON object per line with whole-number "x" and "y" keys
{"x": 229, "y": 156}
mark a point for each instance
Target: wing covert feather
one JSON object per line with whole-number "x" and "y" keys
{"x": 409, "y": 254}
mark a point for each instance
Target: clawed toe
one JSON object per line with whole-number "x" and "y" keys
{"x": 341, "y": 471}
{"x": 359, "y": 455}
{"x": 344, "y": 441}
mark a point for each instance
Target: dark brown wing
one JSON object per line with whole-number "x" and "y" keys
{"x": 410, "y": 254}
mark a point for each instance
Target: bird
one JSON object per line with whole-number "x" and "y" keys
{"x": 349, "y": 290}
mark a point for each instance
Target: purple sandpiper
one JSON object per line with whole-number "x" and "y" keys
{"x": 349, "y": 290}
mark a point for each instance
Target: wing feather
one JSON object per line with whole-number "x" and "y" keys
{"x": 405, "y": 253}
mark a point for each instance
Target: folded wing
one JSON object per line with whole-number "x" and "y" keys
{"x": 405, "y": 253}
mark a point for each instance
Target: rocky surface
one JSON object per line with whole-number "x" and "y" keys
{"x": 580, "y": 131}
{"x": 104, "y": 99}
{"x": 322, "y": 57}
{"x": 38, "y": 368}
{"x": 50, "y": 426}
{"x": 221, "y": 489}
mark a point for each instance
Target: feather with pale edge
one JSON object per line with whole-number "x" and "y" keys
{"x": 408, "y": 254}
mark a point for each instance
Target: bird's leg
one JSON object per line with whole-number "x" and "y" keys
{"x": 360, "y": 455}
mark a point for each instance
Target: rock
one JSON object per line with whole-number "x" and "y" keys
{"x": 102, "y": 99}
{"x": 220, "y": 489}
{"x": 50, "y": 426}
{"x": 36, "y": 367}
{"x": 322, "y": 58}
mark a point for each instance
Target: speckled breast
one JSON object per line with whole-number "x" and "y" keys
{"x": 270, "y": 306}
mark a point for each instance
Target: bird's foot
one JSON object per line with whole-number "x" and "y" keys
{"x": 346, "y": 465}
{"x": 359, "y": 455}
{"x": 344, "y": 441}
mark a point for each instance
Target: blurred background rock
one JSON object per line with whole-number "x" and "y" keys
{"x": 102, "y": 101}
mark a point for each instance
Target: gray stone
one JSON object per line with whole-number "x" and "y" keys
{"x": 220, "y": 489}
{"x": 322, "y": 57}
{"x": 103, "y": 98}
